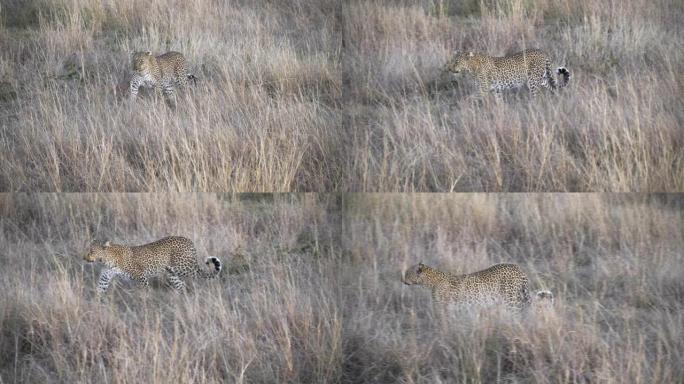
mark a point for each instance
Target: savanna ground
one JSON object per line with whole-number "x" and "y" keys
{"x": 322, "y": 300}
{"x": 339, "y": 96}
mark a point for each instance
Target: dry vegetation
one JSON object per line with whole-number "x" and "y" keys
{"x": 277, "y": 323}
{"x": 322, "y": 301}
{"x": 263, "y": 117}
{"x": 320, "y": 95}
{"x": 616, "y": 128}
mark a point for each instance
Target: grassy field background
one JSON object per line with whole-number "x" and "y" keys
{"x": 339, "y": 96}
{"x": 616, "y": 128}
{"x": 263, "y": 116}
{"x": 322, "y": 300}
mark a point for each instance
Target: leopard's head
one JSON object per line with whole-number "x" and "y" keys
{"x": 97, "y": 252}
{"x": 142, "y": 61}
{"x": 460, "y": 62}
{"x": 416, "y": 274}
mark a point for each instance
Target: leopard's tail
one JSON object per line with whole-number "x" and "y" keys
{"x": 559, "y": 79}
{"x": 217, "y": 268}
{"x": 193, "y": 78}
{"x": 544, "y": 295}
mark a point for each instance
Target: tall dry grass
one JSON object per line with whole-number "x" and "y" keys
{"x": 339, "y": 96}
{"x": 616, "y": 128}
{"x": 614, "y": 264}
{"x": 323, "y": 301}
{"x": 262, "y": 118}
{"x": 275, "y": 323}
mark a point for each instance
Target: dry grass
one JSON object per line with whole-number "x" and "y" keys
{"x": 262, "y": 118}
{"x": 616, "y": 128}
{"x": 277, "y": 323}
{"x": 327, "y": 96}
{"x": 613, "y": 262}
{"x": 323, "y": 302}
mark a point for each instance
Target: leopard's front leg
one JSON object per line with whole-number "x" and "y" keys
{"x": 106, "y": 277}
{"x": 135, "y": 84}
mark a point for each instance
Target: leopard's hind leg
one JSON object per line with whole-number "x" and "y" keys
{"x": 168, "y": 90}
{"x": 533, "y": 85}
{"x": 175, "y": 280}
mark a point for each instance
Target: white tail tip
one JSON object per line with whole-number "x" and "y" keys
{"x": 216, "y": 262}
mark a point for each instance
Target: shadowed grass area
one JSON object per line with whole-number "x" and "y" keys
{"x": 322, "y": 300}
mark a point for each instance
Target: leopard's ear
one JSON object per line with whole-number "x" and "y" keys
{"x": 471, "y": 54}
{"x": 149, "y": 53}
{"x": 106, "y": 244}
{"x": 421, "y": 266}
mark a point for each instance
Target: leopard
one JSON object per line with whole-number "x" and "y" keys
{"x": 165, "y": 71}
{"x": 174, "y": 255}
{"x": 531, "y": 68}
{"x": 504, "y": 283}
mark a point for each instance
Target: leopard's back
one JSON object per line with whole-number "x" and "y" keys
{"x": 518, "y": 69}
{"x": 169, "y": 252}
{"x": 500, "y": 282}
{"x": 172, "y": 67}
